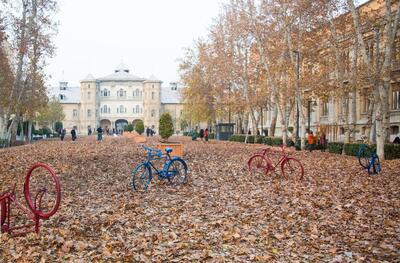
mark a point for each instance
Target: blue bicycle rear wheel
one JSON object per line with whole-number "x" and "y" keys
{"x": 141, "y": 177}
{"x": 177, "y": 171}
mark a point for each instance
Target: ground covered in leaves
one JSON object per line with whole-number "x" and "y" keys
{"x": 337, "y": 214}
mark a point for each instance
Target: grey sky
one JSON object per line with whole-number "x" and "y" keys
{"x": 148, "y": 35}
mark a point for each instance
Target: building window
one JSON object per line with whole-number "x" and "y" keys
{"x": 88, "y": 86}
{"x": 137, "y": 92}
{"x": 121, "y": 93}
{"x": 137, "y": 108}
{"x": 394, "y": 130}
{"x": 396, "y": 100}
{"x": 88, "y": 95}
{"x": 62, "y": 97}
{"x": 153, "y": 112}
{"x": 365, "y": 103}
{"x": 105, "y": 93}
{"x": 325, "y": 109}
{"x": 152, "y": 86}
{"x": 89, "y": 113}
{"x": 75, "y": 113}
{"x": 152, "y": 95}
{"x": 105, "y": 109}
{"x": 121, "y": 109}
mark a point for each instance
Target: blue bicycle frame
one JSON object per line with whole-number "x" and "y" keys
{"x": 169, "y": 170}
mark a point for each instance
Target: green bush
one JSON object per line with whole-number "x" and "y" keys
{"x": 166, "y": 126}
{"x": 273, "y": 141}
{"x": 46, "y": 131}
{"x": 186, "y": 133}
{"x": 211, "y": 136}
{"x": 58, "y": 126}
{"x": 351, "y": 148}
{"x": 241, "y": 138}
{"x": 3, "y": 143}
{"x": 335, "y": 147}
{"x": 392, "y": 151}
{"x": 139, "y": 127}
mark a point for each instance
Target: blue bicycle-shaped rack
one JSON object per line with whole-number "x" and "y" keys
{"x": 174, "y": 169}
{"x": 369, "y": 160}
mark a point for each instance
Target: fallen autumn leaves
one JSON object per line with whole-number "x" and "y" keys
{"x": 336, "y": 214}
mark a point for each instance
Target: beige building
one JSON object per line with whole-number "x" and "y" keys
{"x": 117, "y": 99}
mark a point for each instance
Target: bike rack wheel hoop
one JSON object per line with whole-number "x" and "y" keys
{"x": 34, "y": 206}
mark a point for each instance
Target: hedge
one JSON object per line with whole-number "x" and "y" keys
{"x": 256, "y": 139}
{"x": 392, "y": 151}
{"x": 335, "y": 147}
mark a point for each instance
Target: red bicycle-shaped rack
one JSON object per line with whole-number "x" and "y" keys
{"x": 266, "y": 161}
{"x": 42, "y": 192}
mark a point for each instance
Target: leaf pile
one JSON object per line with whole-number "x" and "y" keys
{"x": 336, "y": 214}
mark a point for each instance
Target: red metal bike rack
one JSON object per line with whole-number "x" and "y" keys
{"x": 34, "y": 210}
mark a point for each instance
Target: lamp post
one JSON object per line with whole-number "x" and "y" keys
{"x": 297, "y": 90}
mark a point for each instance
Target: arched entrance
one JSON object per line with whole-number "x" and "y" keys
{"x": 104, "y": 124}
{"x": 120, "y": 124}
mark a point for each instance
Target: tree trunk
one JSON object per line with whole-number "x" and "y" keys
{"x": 274, "y": 118}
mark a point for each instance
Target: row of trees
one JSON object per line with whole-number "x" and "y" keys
{"x": 278, "y": 55}
{"x": 26, "y": 30}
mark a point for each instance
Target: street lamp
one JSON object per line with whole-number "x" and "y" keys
{"x": 297, "y": 90}
{"x": 310, "y": 103}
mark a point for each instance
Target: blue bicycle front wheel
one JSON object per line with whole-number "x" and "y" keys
{"x": 177, "y": 171}
{"x": 141, "y": 177}
{"x": 376, "y": 165}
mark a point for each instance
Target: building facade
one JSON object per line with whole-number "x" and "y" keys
{"x": 116, "y": 100}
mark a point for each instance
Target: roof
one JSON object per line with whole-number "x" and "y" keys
{"x": 169, "y": 96}
{"x": 89, "y": 77}
{"x": 70, "y": 94}
{"x": 153, "y": 78}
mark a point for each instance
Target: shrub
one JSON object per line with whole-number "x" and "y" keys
{"x": 139, "y": 127}
{"x": 351, "y": 148}
{"x": 58, "y": 126}
{"x": 211, "y": 136}
{"x": 392, "y": 151}
{"x": 335, "y": 147}
{"x": 46, "y": 131}
{"x": 166, "y": 126}
{"x": 128, "y": 127}
{"x": 273, "y": 141}
{"x": 3, "y": 143}
{"x": 186, "y": 133}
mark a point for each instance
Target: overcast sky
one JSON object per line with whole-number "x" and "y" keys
{"x": 147, "y": 35}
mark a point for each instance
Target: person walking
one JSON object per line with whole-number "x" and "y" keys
{"x": 148, "y": 131}
{"x": 206, "y": 135}
{"x": 62, "y": 134}
{"x": 99, "y": 134}
{"x": 311, "y": 141}
{"x": 201, "y": 135}
{"x": 322, "y": 141}
{"x": 73, "y": 134}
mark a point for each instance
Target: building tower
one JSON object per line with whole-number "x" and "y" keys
{"x": 152, "y": 102}
{"x": 88, "y": 108}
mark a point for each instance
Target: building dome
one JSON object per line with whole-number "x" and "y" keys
{"x": 121, "y": 68}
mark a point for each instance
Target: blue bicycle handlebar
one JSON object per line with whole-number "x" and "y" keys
{"x": 152, "y": 152}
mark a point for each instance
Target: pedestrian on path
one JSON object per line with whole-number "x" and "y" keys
{"x": 322, "y": 141}
{"x": 62, "y": 135}
{"x": 99, "y": 134}
{"x": 206, "y": 135}
{"x": 73, "y": 134}
{"x": 201, "y": 135}
{"x": 311, "y": 141}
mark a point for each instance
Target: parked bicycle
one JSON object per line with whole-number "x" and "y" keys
{"x": 42, "y": 192}
{"x": 261, "y": 162}
{"x": 174, "y": 169}
{"x": 368, "y": 159}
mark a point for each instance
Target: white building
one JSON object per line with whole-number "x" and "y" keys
{"x": 115, "y": 100}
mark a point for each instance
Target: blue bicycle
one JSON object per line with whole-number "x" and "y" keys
{"x": 174, "y": 169}
{"x": 369, "y": 160}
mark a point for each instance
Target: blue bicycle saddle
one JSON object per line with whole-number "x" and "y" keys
{"x": 168, "y": 150}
